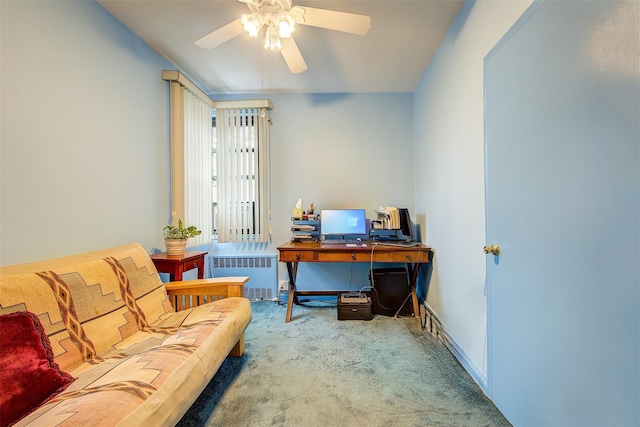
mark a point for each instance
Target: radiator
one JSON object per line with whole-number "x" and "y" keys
{"x": 262, "y": 271}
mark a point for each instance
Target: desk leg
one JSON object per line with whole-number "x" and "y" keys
{"x": 292, "y": 269}
{"x": 201, "y": 268}
{"x": 413, "y": 273}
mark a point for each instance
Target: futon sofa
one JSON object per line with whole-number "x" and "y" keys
{"x": 94, "y": 340}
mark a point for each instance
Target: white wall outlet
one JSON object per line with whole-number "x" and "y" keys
{"x": 283, "y": 285}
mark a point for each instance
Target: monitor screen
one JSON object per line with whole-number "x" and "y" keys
{"x": 343, "y": 222}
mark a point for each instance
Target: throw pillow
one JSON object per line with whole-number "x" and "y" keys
{"x": 28, "y": 373}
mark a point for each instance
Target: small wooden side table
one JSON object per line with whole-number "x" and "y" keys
{"x": 175, "y": 265}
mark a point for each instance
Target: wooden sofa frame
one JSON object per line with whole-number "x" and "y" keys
{"x": 192, "y": 293}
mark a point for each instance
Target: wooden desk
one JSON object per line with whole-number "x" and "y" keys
{"x": 176, "y": 265}
{"x": 295, "y": 252}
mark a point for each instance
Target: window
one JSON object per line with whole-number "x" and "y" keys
{"x": 191, "y": 163}
{"x": 249, "y": 153}
{"x": 240, "y": 181}
{"x": 214, "y": 177}
{"x": 219, "y": 174}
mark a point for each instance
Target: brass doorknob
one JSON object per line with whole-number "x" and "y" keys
{"x": 493, "y": 249}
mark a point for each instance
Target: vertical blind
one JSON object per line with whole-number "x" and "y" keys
{"x": 242, "y": 174}
{"x": 242, "y": 178}
{"x": 198, "y": 208}
{"x": 191, "y": 162}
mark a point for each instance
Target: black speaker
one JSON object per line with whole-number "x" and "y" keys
{"x": 391, "y": 293}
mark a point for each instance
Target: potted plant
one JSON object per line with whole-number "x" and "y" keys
{"x": 175, "y": 237}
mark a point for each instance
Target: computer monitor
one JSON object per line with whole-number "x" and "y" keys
{"x": 343, "y": 222}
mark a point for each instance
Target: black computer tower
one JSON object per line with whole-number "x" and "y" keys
{"x": 391, "y": 292}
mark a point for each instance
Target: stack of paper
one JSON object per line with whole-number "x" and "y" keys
{"x": 302, "y": 227}
{"x": 389, "y": 217}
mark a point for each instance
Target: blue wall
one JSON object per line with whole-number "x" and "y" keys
{"x": 339, "y": 151}
{"x": 85, "y": 140}
{"x": 449, "y": 174}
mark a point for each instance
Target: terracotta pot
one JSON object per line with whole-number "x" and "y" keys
{"x": 175, "y": 247}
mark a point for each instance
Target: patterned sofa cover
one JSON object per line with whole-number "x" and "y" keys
{"x": 135, "y": 361}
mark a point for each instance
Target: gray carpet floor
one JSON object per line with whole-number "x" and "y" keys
{"x": 318, "y": 371}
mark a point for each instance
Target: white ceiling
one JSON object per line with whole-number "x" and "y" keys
{"x": 391, "y": 57}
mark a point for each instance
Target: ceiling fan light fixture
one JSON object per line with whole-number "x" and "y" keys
{"x": 286, "y": 25}
{"x": 272, "y": 38}
{"x": 278, "y": 19}
{"x": 252, "y": 24}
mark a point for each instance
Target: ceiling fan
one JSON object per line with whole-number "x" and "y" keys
{"x": 279, "y": 18}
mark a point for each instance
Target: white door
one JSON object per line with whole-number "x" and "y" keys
{"x": 562, "y": 113}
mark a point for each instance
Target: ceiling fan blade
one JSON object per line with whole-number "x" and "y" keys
{"x": 292, "y": 56}
{"x": 220, "y": 35}
{"x": 334, "y": 20}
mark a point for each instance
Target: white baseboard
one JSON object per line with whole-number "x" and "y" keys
{"x": 468, "y": 365}
{"x": 435, "y": 328}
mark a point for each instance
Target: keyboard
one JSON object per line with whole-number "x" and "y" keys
{"x": 350, "y": 243}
